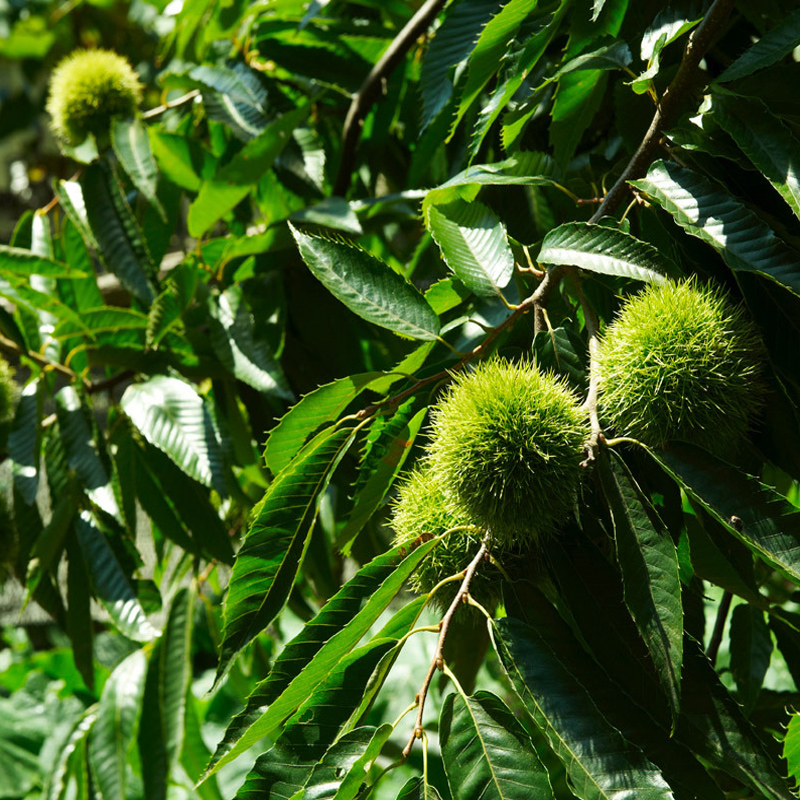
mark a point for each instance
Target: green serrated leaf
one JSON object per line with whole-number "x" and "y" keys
{"x": 649, "y": 566}
{"x": 14, "y": 261}
{"x": 112, "y": 733}
{"x": 474, "y": 245}
{"x": 172, "y": 416}
{"x": 116, "y": 231}
{"x": 325, "y": 640}
{"x": 771, "y": 47}
{"x": 75, "y": 426}
{"x": 234, "y": 181}
{"x": 305, "y": 417}
{"x": 600, "y": 763}
{"x": 563, "y": 352}
{"x": 419, "y": 789}
{"x": 383, "y": 472}
{"x": 453, "y": 42}
{"x": 132, "y": 147}
{"x": 273, "y": 549}
{"x": 791, "y": 747}
{"x": 161, "y": 725}
{"x": 486, "y": 752}
{"x": 368, "y": 287}
{"x": 705, "y": 210}
{"x": 495, "y": 38}
{"x": 609, "y": 251}
{"x": 111, "y": 586}
{"x": 751, "y": 650}
{"x": 756, "y": 514}
{"x": 24, "y": 442}
{"x": 235, "y": 343}
{"x": 79, "y": 614}
{"x": 764, "y": 139}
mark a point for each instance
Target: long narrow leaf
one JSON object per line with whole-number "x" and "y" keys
{"x": 486, "y": 752}
{"x": 307, "y": 659}
{"x": 272, "y": 552}
{"x": 600, "y": 763}
{"x": 705, "y": 210}
{"x": 368, "y": 287}
{"x": 649, "y": 564}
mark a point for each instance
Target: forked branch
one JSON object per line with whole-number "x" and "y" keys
{"x": 437, "y": 661}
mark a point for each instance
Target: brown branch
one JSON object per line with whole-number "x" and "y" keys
{"x": 719, "y": 626}
{"x": 670, "y": 104}
{"x": 437, "y": 660}
{"x": 372, "y": 87}
{"x": 178, "y": 101}
{"x": 11, "y": 346}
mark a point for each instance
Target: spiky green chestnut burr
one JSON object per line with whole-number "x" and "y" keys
{"x": 680, "y": 361}
{"x": 87, "y": 89}
{"x": 424, "y": 510}
{"x": 508, "y": 441}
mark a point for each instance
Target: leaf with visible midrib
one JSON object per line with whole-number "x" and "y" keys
{"x": 609, "y": 251}
{"x": 770, "y": 525}
{"x": 132, "y": 147}
{"x": 649, "y": 564}
{"x": 487, "y": 755}
{"x": 474, "y": 245}
{"x": 601, "y": 764}
{"x": 368, "y": 287}
{"x": 113, "y": 729}
{"x": 705, "y": 210}
{"x": 171, "y": 415}
{"x": 309, "y": 657}
{"x": 272, "y": 551}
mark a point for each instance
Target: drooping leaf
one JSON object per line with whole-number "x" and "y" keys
{"x": 600, "y": 763}
{"x": 474, "y": 245}
{"x": 273, "y": 549}
{"x": 112, "y": 733}
{"x": 562, "y": 351}
{"x": 235, "y": 343}
{"x": 132, "y": 147}
{"x": 609, "y": 251}
{"x": 234, "y": 181}
{"x": 169, "y": 672}
{"x": 495, "y": 38}
{"x": 419, "y": 789}
{"x": 368, "y": 287}
{"x": 705, "y": 210}
{"x": 382, "y": 473}
{"x": 79, "y": 612}
{"x": 172, "y": 416}
{"x": 14, "y": 261}
{"x": 751, "y": 649}
{"x": 323, "y": 642}
{"x": 24, "y": 442}
{"x": 649, "y": 565}
{"x": 116, "y": 231}
{"x": 74, "y": 424}
{"x": 486, "y": 752}
{"x": 111, "y": 585}
{"x": 305, "y": 417}
{"x": 713, "y": 726}
{"x": 453, "y": 42}
{"x": 756, "y": 514}
{"x": 342, "y": 770}
{"x": 771, "y": 47}
{"x": 764, "y": 139}
{"x": 71, "y": 759}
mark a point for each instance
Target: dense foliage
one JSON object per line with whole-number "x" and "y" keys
{"x": 256, "y": 324}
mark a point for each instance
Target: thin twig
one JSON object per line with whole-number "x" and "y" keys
{"x": 178, "y": 101}
{"x": 11, "y": 346}
{"x": 719, "y": 626}
{"x": 369, "y": 91}
{"x": 670, "y": 104}
{"x": 590, "y": 404}
{"x": 437, "y": 660}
